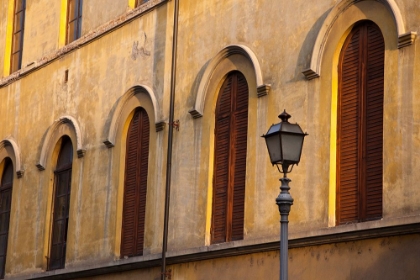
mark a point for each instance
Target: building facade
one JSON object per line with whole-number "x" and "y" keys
{"x": 131, "y": 134}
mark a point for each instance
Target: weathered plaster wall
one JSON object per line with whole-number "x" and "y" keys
{"x": 41, "y": 32}
{"x": 97, "y": 12}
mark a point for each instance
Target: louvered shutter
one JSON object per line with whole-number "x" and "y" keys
{"x": 240, "y": 123}
{"x": 135, "y": 185}
{"x": 360, "y": 126}
{"x": 230, "y": 159}
{"x": 5, "y": 205}
{"x": 348, "y": 131}
{"x": 142, "y": 188}
{"x": 221, "y": 168}
{"x": 62, "y": 190}
{"x": 374, "y": 121}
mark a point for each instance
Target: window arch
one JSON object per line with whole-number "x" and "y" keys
{"x": 62, "y": 188}
{"x": 231, "y": 124}
{"x": 360, "y": 125}
{"x": 6, "y": 184}
{"x": 135, "y": 185}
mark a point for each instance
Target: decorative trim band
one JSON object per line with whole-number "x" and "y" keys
{"x": 195, "y": 114}
{"x": 10, "y": 141}
{"x": 314, "y": 70}
{"x": 406, "y": 39}
{"x": 53, "y": 131}
{"x": 160, "y": 126}
{"x": 115, "y": 115}
{"x": 263, "y": 90}
{"x": 310, "y": 74}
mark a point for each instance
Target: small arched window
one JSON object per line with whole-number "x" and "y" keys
{"x": 135, "y": 185}
{"x": 360, "y": 125}
{"x": 231, "y": 126}
{"x": 62, "y": 189}
{"x": 5, "y": 204}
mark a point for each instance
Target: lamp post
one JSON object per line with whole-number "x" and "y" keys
{"x": 284, "y": 143}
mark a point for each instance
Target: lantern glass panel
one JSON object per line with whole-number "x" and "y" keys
{"x": 273, "y": 146}
{"x": 291, "y": 147}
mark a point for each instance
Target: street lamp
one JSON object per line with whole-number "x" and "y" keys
{"x": 284, "y": 143}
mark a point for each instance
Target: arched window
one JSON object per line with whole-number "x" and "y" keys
{"x": 135, "y": 184}
{"x": 360, "y": 125}
{"x": 5, "y": 203}
{"x": 230, "y": 160}
{"x": 62, "y": 186}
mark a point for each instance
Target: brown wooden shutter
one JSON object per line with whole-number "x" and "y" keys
{"x": 62, "y": 190}
{"x": 230, "y": 159}
{"x": 348, "y": 131}
{"x": 360, "y": 126}
{"x": 135, "y": 185}
{"x": 5, "y": 205}
{"x": 221, "y": 166}
{"x": 240, "y": 134}
{"x": 374, "y": 121}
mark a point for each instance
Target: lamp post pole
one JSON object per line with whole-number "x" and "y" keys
{"x": 284, "y": 143}
{"x": 284, "y": 202}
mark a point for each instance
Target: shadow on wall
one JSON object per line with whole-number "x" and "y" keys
{"x": 159, "y": 51}
{"x": 304, "y": 57}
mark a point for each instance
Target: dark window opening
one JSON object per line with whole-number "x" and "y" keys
{"x": 5, "y": 205}
{"x": 62, "y": 186}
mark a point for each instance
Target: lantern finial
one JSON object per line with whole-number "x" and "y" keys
{"x": 284, "y": 116}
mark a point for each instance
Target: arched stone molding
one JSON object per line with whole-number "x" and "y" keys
{"x": 9, "y": 148}
{"x": 54, "y": 133}
{"x": 123, "y": 104}
{"x": 405, "y": 38}
{"x": 246, "y": 54}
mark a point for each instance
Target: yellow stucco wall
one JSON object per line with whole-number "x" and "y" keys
{"x": 102, "y": 71}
